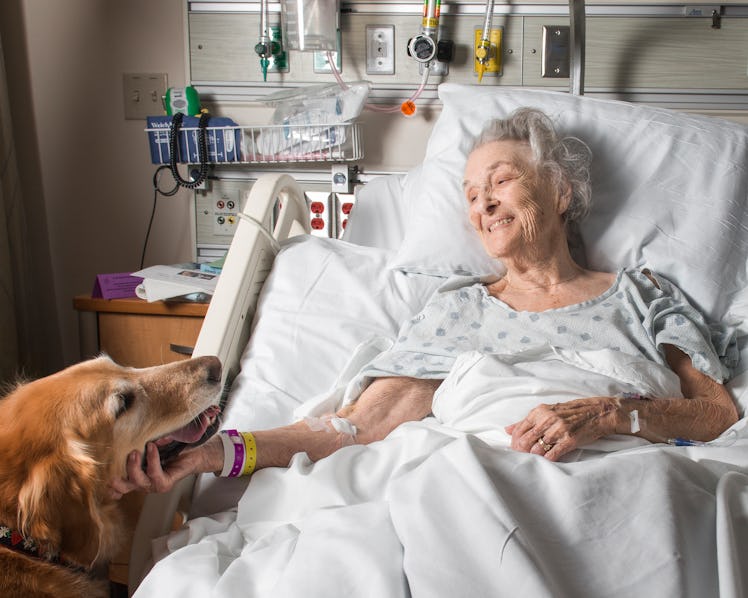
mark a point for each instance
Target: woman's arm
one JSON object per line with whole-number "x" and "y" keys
{"x": 385, "y": 404}
{"x": 706, "y": 411}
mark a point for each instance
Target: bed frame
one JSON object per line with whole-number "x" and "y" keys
{"x": 275, "y": 209}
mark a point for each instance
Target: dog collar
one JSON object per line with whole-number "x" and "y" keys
{"x": 14, "y": 540}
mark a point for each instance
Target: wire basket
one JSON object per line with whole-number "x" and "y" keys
{"x": 268, "y": 144}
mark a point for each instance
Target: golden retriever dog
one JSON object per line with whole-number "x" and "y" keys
{"x": 63, "y": 438}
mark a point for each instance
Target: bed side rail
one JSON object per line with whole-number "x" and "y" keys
{"x": 275, "y": 209}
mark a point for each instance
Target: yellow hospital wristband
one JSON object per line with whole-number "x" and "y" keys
{"x": 250, "y": 451}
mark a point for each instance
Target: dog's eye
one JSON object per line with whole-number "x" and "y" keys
{"x": 126, "y": 399}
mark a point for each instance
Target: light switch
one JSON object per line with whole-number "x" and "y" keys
{"x": 143, "y": 94}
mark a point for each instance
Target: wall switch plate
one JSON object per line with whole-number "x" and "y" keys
{"x": 143, "y": 94}
{"x": 556, "y": 46}
{"x": 380, "y": 49}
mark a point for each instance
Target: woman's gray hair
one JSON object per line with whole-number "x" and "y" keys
{"x": 562, "y": 159}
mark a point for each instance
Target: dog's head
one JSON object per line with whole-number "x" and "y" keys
{"x": 64, "y": 437}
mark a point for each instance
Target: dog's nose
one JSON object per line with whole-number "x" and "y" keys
{"x": 213, "y": 368}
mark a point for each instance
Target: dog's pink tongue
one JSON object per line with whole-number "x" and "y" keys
{"x": 193, "y": 431}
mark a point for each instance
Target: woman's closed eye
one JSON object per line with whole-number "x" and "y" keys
{"x": 472, "y": 194}
{"x": 500, "y": 178}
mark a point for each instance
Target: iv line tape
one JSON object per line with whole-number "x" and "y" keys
{"x": 634, "y": 418}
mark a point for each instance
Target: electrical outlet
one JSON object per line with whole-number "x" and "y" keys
{"x": 380, "y": 49}
{"x": 143, "y": 94}
{"x": 321, "y": 215}
{"x": 344, "y": 204}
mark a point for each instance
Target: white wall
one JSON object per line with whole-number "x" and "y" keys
{"x": 90, "y": 165}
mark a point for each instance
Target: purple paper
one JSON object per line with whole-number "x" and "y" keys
{"x": 115, "y": 286}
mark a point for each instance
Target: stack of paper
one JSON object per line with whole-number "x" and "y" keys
{"x": 167, "y": 282}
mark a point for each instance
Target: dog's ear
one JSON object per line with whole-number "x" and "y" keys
{"x": 58, "y": 495}
{"x": 38, "y": 508}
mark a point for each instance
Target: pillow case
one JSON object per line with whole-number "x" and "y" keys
{"x": 669, "y": 191}
{"x": 379, "y": 217}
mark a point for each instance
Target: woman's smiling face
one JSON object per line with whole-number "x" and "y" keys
{"x": 508, "y": 204}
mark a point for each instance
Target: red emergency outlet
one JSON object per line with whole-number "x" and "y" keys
{"x": 346, "y": 207}
{"x": 317, "y": 207}
{"x": 318, "y": 223}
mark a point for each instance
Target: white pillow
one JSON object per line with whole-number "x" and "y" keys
{"x": 669, "y": 190}
{"x": 379, "y": 218}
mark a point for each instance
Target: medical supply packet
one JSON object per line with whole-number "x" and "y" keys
{"x": 305, "y": 119}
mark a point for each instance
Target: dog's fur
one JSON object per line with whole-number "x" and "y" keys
{"x": 62, "y": 439}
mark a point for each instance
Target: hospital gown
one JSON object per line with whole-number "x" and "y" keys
{"x": 633, "y": 316}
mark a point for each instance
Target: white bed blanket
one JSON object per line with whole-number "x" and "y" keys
{"x": 442, "y": 507}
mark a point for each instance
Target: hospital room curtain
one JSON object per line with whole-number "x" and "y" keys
{"x": 12, "y": 221}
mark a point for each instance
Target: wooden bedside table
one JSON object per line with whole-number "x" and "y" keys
{"x": 139, "y": 334}
{"x": 136, "y": 333}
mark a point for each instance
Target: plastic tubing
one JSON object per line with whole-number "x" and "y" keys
{"x": 374, "y": 107}
{"x": 488, "y": 20}
{"x": 727, "y": 439}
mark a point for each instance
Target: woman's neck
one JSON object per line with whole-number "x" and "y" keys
{"x": 542, "y": 274}
{"x": 543, "y": 290}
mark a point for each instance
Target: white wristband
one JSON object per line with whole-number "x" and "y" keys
{"x": 233, "y": 453}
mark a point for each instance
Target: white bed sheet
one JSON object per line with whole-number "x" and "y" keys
{"x": 322, "y": 299}
{"x": 442, "y": 507}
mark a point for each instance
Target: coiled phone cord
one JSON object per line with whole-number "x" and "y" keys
{"x": 202, "y": 150}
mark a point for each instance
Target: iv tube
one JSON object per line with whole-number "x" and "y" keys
{"x": 429, "y": 29}
{"x": 489, "y": 18}
{"x": 374, "y": 107}
{"x": 483, "y": 51}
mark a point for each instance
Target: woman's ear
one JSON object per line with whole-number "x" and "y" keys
{"x": 563, "y": 199}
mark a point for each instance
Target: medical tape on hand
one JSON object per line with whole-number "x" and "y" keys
{"x": 634, "y": 419}
{"x": 634, "y": 414}
{"x": 332, "y": 423}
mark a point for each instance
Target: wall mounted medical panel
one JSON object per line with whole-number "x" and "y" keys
{"x": 221, "y": 51}
{"x": 633, "y": 52}
{"x": 650, "y": 53}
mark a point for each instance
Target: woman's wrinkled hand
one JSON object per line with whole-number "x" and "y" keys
{"x": 155, "y": 478}
{"x": 554, "y": 430}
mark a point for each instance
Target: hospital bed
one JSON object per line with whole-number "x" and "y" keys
{"x": 443, "y": 507}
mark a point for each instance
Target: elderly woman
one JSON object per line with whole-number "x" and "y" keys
{"x": 524, "y": 187}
